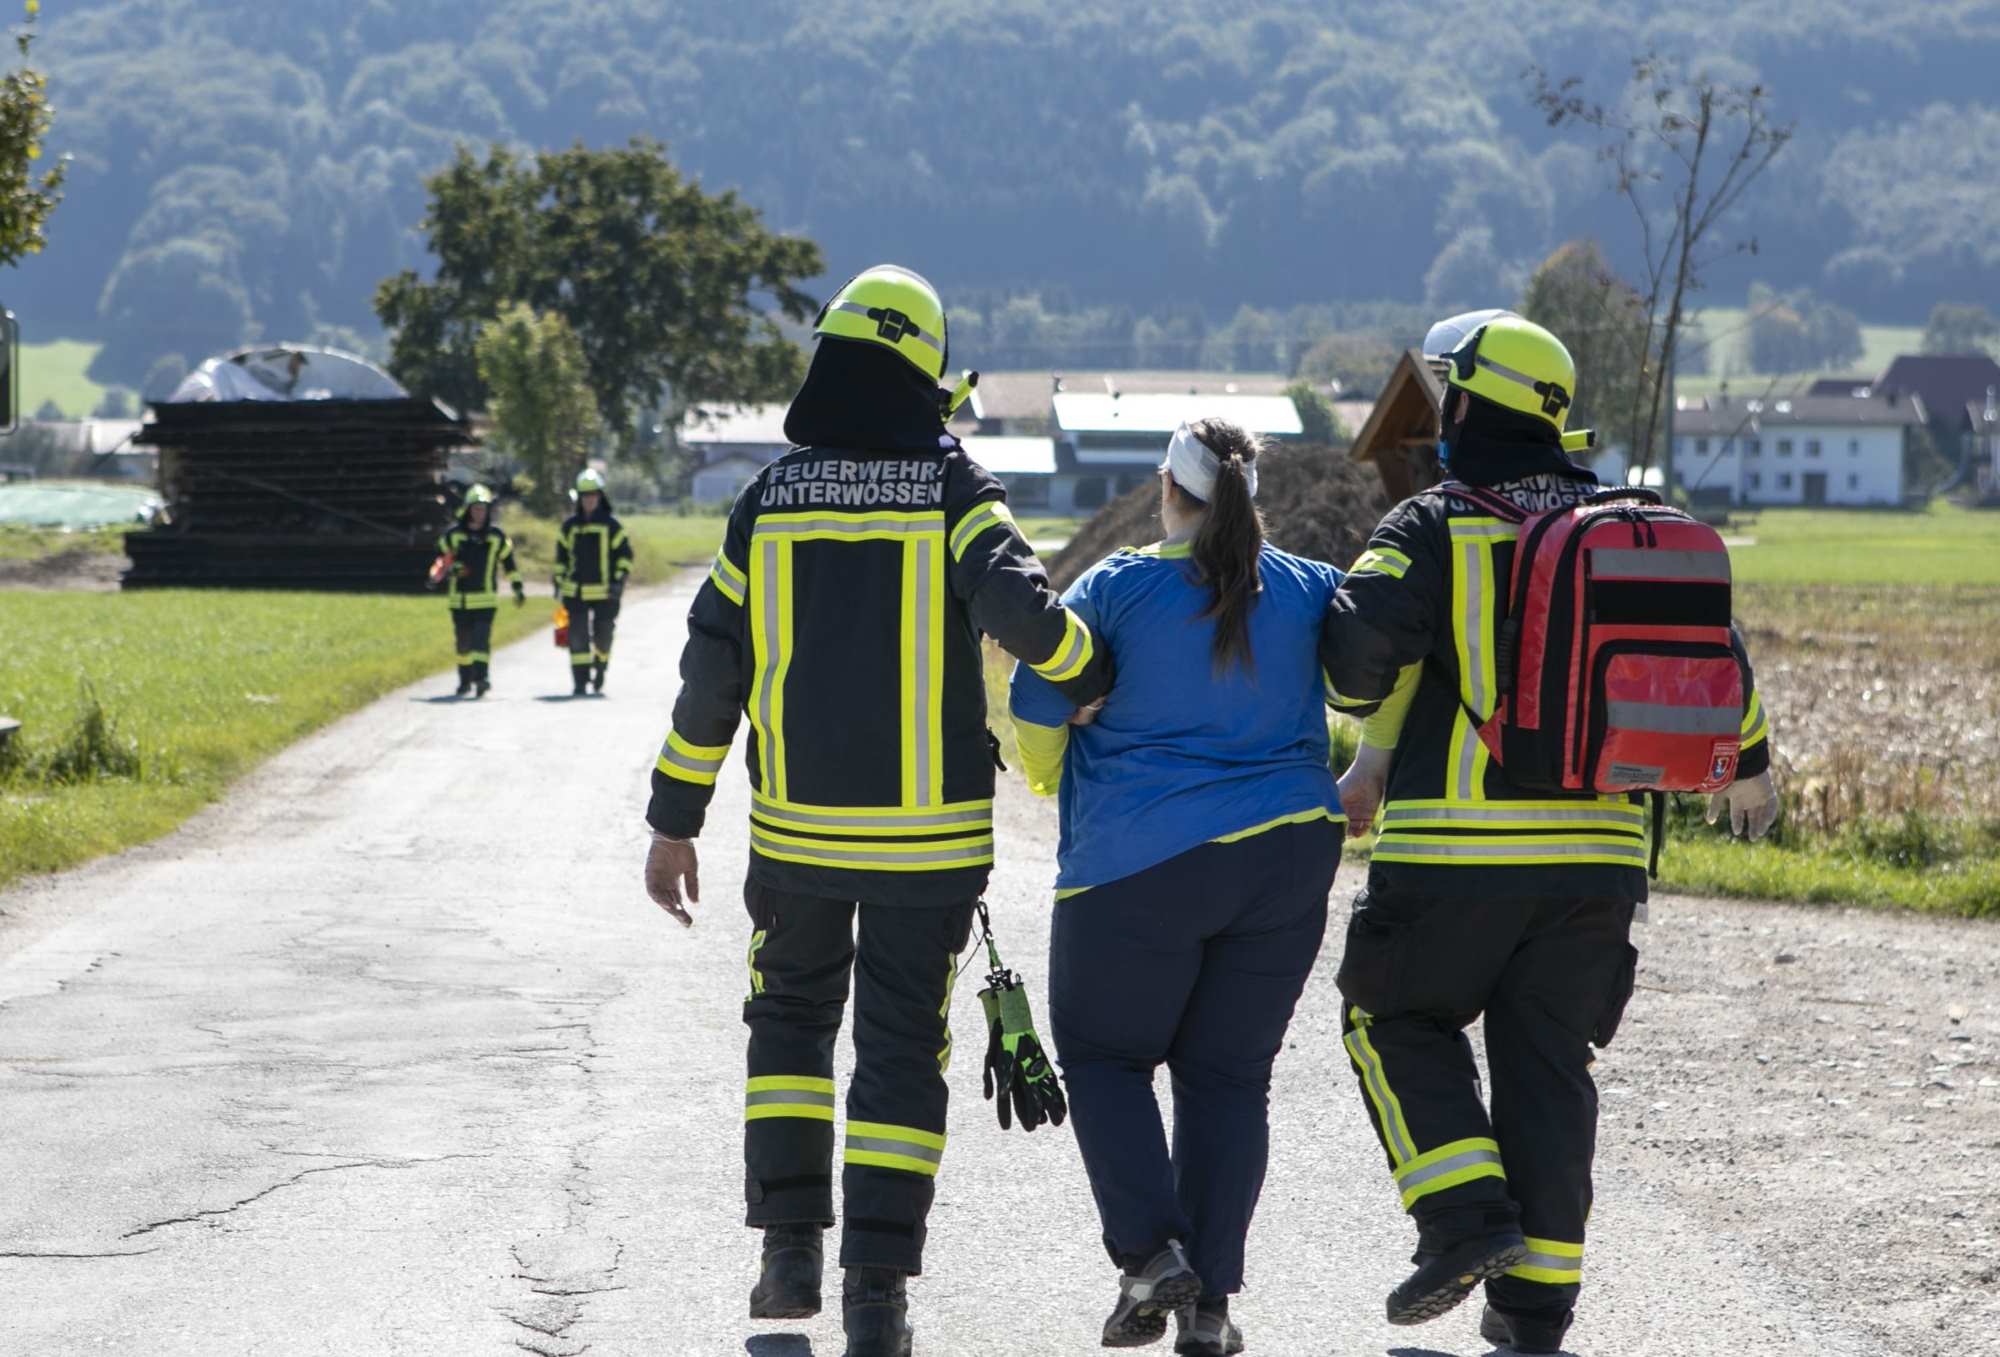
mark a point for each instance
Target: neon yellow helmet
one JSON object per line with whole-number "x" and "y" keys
{"x": 589, "y": 480}
{"x": 895, "y": 308}
{"x": 479, "y": 494}
{"x": 1518, "y": 365}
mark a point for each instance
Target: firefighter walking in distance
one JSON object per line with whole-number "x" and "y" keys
{"x": 478, "y": 550}
{"x": 593, "y": 557}
{"x": 1485, "y": 897}
{"x": 843, "y": 616}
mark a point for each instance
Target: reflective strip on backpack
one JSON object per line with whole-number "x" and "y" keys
{"x": 1668, "y": 719}
{"x": 1658, "y": 564}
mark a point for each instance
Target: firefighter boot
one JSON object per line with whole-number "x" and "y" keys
{"x": 875, "y": 1312}
{"x": 464, "y": 680}
{"x": 1147, "y": 1295}
{"x": 1444, "y": 1277}
{"x": 789, "y": 1288}
{"x": 1523, "y": 1333}
{"x": 597, "y": 675}
{"x": 579, "y": 679}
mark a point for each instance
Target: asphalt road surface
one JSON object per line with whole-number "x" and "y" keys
{"x": 390, "y": 1054}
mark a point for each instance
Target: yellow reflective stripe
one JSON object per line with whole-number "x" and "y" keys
{"x": 788, "y": 1095}
{"x": 756, "y": 976}
{"x": 963, "y": 817}
{"x": 1474, "y": 608}
{"x": 1551, "y": 1261}
{"x": 987, "y": 514}
{"x": 922, "y": 664}
{"x": 1043, "y": 751}
{"x": 770, "y": 639}
{"x": 944, "y": 1012}
{"x": 1299, "y": 818}
{"x": 1595, "y": 819}
{"x": 1072, "y": 654}
{"x": 1381, "y": 561}
{"x": 1166, "y": 551}
{"x": 933, "y": 856}
{"x": 879, "y": 1145}
{"x": 730, "y": 581}
{"x": 688, "y": 762}
{"x": 866, "y": 525}
{"x": 1388, "y": 1107}
{"x": 1512, "y": 850}
{"x": 1063, "y": 895}
{"x": 1449, "y": 1166}
{"x": 1755, "y": 726}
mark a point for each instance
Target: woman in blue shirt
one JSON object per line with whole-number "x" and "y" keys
{"x": 1200, "y": 834}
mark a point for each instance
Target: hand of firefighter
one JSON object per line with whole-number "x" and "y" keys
{"x": 520, "y": 594}
{"x": 672, "y": 869}
{"x": 1018, "y": 1078}
{"x": 1752, "y": 803}
{"x": 1362, "y": 787}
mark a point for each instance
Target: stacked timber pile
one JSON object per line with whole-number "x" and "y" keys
{"x": 295, "y": 469}
{"x": 1317, "y": 502}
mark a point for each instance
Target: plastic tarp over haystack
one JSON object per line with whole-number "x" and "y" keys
{"x": 76, "y": 506}
{"x": 287, "y": 373}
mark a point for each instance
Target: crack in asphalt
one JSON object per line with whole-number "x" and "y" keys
{"x": 124, "y": 1253}
{"x": 293, "y": 1181}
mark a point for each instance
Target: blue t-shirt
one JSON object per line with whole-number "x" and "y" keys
{"x": 1180, "y": 755}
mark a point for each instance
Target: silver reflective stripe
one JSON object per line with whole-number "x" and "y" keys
{"x": 1468, "y": 758}
{"x": 768, "y": 686}
{"x": 706, "y": 767}
{"x": 1432, "y": 1172}
{"x": 1066, "y": 656}
{"x": 857, "y": 309}
{"x": 835, "y": 820}
{"x": 1502, "y": 370}
{"x": 920, "y": 671}
{"x": 1583, "y": 815}
{"x": 1502, "y": 848}
{"x": 787, "y": 1096}
{"x": 819, "y": 853}
{"x": 1474, "y": 564}
{"x": 909, "y": 1149}
{"x": 1631, "y": 563}
{"x": 1377, "y": 1079}
{"x": 1554, "y": 1262}
{"x": 1671, "y": 720}
{"x": 850, "y": 527}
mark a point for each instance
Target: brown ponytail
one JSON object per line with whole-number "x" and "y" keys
{"x": 1229, "y": 541}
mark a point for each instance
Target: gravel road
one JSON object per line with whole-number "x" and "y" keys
{"x": 389, "y": 1054}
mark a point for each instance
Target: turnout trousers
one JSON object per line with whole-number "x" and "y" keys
{"x": 590, "y": 628}
{"x": 1197, "y": 964}
{"x": 903, "y": 961}
{"x": 472, "y": 633}
{"x": 1552, "y": 978}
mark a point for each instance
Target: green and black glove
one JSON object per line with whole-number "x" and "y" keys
{"x": 1018, "y": 1075}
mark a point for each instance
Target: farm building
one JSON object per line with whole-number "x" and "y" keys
{"x": 1844, "y": 450}
{"x": 1400, "y": 435}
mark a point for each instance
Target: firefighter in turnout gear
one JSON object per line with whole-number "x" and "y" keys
{"x": 593, "y": 557}
{"x": 1484, "y": 898}
{"x": 478, "y": 551}
{"x": 843, "y": 616}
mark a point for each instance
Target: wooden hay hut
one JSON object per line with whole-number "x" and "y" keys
{"x": 1401, "y": 434}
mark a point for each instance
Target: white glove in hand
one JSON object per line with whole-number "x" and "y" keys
{"x": 1362, "y": 787}
{"x": 1752, "y": 804}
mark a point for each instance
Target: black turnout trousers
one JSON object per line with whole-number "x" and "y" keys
{"x": 903, "y": 960}
{"x": 472, "y": 633}
{"x": 590, "y": 628}
{"x": 1551, "y": 978}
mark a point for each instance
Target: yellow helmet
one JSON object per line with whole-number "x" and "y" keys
{"x": 588, "y": 480}
{"x": 895, "y": 308}
{"x": 478, "y": 494}
{"x": 1517, "y": 364}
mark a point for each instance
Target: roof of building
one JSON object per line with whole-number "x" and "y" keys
{"x": 753, "y": 425}
{"x": 1013, "y": 456}
{"x": 1156, "y": 413}
{"x": 1946, "y": 381}
{"x": 1729, "y": 415}
{"x": 1026, "y": 394}
{"x": 1841, "y": 386}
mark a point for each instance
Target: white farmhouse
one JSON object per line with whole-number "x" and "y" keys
{"x": 1816, "y": 449}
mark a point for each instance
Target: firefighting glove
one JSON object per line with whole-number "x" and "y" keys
{"x": 520, "y": 594}
{"x": 1018, "y": 1077}
{"x": 1752, "y": 804}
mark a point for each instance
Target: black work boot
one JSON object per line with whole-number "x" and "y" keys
{"x": 1524, "y": 1333}
{"x": 875, "y": 1313}
{"x": 1149, "y": 1293}
{"x": 789, "y": 1286}
{"x": 1445, "y": 1277}
{"x": 597, "y": 678}
{"x": 464, "y": 681}
{"x": 579, "y": 683}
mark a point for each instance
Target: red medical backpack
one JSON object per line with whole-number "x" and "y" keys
{"x": 1614, "y": 661}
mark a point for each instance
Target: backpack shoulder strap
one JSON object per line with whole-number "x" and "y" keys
{"x": 1497, "y": 505}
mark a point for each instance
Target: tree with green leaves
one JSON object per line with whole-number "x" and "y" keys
{"x": 1319, "y": 422}
{"x": 1602, "y": 319}
{"x": 28, "y": 194}
{"x": 1960, "y": 327}
{"x": 658, "y": 281}
{"x": 545, "y": 416}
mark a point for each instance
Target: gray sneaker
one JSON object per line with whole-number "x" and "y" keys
{"x": 1204, "y": 1330}
{"x": 1148, "y": 1296}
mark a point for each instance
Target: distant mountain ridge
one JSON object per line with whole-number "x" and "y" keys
{"x": 248, "y": 170}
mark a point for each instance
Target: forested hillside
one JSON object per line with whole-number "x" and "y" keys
{"x": 247, "y": 169}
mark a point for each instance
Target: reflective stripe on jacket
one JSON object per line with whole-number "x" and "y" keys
{"x": 477, "y": 560}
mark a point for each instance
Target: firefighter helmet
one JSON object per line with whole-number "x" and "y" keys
{"x": 478, "y": 494}
{"x": 895, "y": 308}
{"x": 1516, "y": 364}
{"x": 589, "y": 480}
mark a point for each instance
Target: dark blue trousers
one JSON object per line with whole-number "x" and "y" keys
{"x": 1196, "y": 963}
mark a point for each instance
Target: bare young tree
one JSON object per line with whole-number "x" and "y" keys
{"x": 1683, "y": 148}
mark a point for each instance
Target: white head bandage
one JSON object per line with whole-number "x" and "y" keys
{"x": 1195, "y": 468}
